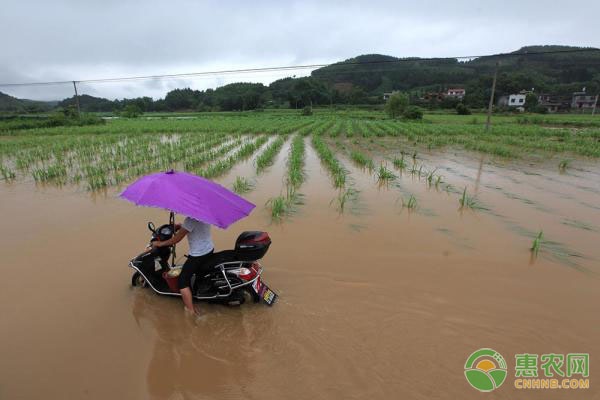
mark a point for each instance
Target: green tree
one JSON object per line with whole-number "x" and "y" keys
{"x": 412, "y": 112}
{"x": 396, "y": 104}
{"x": 531, "y": 102}
{"x": 131, "y": 111}
{"x": 461, "y": 109}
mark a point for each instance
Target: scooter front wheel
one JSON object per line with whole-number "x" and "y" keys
{"x": 138, "y": 280}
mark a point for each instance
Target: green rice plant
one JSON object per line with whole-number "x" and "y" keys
{"x": 295, "y": 173}
{"x": 335, "y": 168}
{"x": 220, "y": 167}
{"x": 97, "y": 182}
{"x": 7, "y": 173}
{"x": 242, "y": 185}
{"x": 562, "y": 166}
{"x": 467, "y": 201}
{"x": 362, "y": 160}
{"x": 411, "y": 203}
{"x": 537, "y": 243}
{"x": 343, "y": 197}
{"x": 384, "y": 175}
{"x": 413, "y": 170}
{"x": 283, "y": 205}
{"x": 431, "y": 177}
{"x": 399, "y": 163}
{"x": 278, "y": 206}
{"x": 267, "y": 157}
{"x": 57, "y": 173}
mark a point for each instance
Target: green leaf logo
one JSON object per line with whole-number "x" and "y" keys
{"x": 485, "y": 370}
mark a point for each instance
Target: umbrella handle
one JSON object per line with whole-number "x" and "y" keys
{"x": 172, "y": 222}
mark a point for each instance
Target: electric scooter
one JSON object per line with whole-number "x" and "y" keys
{"x": 231, "y": 277}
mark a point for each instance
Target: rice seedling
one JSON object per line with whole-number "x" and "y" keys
{"x": 337, "y": 172}
{"x": 411, "y": 203}
{"x": 278, "y": 206}
{"x": 7, "y": 173}
{"x": 295, "y": 173}
{"x": 97, "y": 182}
{"x": 267, "y": 157}
{"x": 344, "y": 196}
{"x": 537, "y": 243}
{"x": 57, "y": 173}
{"x": 242, "y": 185}
{"x": 399, "y": 163}
{"x": 222, "y": 166}
{"x": 384, "y": 175}
{"x": 431, "y": 177}
{"x": 467, "y": 201}
{"x": 362, "y": 160}
{"x": 413, "y": 169}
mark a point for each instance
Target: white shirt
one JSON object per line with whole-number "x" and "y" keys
{"x": 198, "y": 237}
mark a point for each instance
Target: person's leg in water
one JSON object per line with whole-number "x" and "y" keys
{"x": 191, "y": 266}
{"x": 188, "y": 302}
{"x": 185, "y": 280}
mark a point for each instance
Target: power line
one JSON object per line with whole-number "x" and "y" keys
{"x": 296, "y": 67}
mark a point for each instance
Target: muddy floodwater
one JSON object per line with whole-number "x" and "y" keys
{"x": 377, "y": 302}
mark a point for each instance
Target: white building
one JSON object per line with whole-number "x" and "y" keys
{"x": 517, "y": 100}
{"x": 387, "y": 95}
{"x": 457, "y": 93}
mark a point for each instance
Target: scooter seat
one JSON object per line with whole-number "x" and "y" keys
{"x": 222, "y": 257}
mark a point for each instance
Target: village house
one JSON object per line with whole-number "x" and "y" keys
{"x": 456, "y": 93}
{"x": 553, "y": 103}
{"x": 515, "y": 100}
{"x": 583, "y": 101}
{"x": 439, "y": 96}
{"x": 387, "y": 95}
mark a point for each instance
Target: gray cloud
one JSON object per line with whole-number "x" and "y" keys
{"x": 75, "y": 40}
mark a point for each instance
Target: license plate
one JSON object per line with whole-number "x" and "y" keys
{"x": 263, "y": 291}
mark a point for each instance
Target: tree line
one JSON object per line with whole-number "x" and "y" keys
{"x": 364, "y": 79}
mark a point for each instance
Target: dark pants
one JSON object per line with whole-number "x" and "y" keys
{"x": 193, "y": 265}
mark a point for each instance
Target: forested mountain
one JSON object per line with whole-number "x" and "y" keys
{"x": 549, "y": 73}
{"x": 363, "y": 80}
{"x": 9, "y": 103}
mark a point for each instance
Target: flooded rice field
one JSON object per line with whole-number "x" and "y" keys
{"x": 387, "y": 281}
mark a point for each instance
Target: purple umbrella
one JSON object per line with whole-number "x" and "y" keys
{"x": 190, "y": 195}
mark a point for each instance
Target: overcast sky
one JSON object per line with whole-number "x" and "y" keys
{"x": 50, "y": 40}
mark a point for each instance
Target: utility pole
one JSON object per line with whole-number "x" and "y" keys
{"x": 595, "y": 105}
{"x": 77, "y": 99}
{"x": 489, "y": 113}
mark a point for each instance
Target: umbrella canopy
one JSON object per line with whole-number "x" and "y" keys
{"x": 190, "y": 195}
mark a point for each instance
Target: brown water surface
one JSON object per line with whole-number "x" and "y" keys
{"x": 375, "y": 303}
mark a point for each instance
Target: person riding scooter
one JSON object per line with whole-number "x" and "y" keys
{"x": 201, "y": 248}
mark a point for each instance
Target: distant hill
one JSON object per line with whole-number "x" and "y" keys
{"x": 12, "y": 104}
{"x": 556, "y": 73}
{"x": 365, "y": 78}
{"x": 88, "y": 103}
